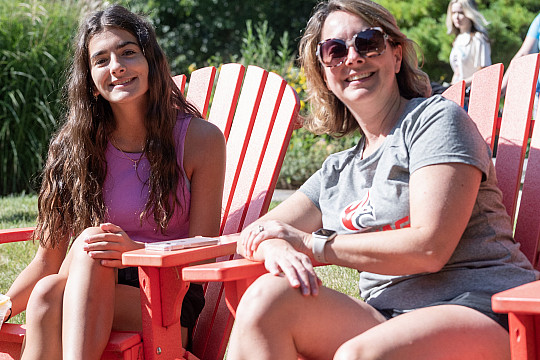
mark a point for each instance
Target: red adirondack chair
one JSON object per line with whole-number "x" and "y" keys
{"x": 259, "y": 106}
{"x": 512, "y": 130}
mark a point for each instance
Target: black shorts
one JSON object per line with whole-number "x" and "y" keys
{"x": 191, "y": 306}
{"x": 477, "y": 301}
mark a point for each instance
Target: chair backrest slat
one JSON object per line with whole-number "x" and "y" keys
{"x": 200, "y": 88}
{"x": 240, "y": 133}
{"x": 528, "y": 223}
{"x": 515, "y": 127}
{"x": 257, "y": 139}
{"x": 211, "y": 334}
{"x": 456, "y": 93}
{"x": 274, "y": 156}
{"x": 484, "y": 101}
{"x": 226, "y": 96}
{"x": 262, "y": 128}
{"x": 180, "y": 81}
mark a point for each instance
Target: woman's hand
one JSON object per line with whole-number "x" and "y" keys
{"x": 281, "y": 259}
{"x": 110, "y": 245}
{"x": 256, "y": 233}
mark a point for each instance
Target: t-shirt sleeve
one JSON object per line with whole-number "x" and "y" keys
{"x": 444, "y": 133}
{"x": 534, "y": 29}
{"x": 312, "y": 188}
{"x": 482, "y": 51}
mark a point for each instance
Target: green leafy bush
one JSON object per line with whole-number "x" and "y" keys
{"x": 209, "y": 32}
{"x": 306, "y": 154}
{"x": 34, "y": 38}
{"x": 306, "y": 151}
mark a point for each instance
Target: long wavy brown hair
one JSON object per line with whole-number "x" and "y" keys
{"x": 328, "y": 114}
{"x": 71, "y": 196}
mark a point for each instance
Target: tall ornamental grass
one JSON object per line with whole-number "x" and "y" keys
{"x": 35, "y": 40}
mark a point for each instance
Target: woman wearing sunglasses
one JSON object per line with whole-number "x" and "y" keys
{"x": 413, "y": 207}
{"x": 470, "y": 50}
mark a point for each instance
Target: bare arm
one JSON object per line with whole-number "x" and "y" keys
{"x": 296, "y": 217}
{"x": 204, "y": 163}
{"x": 441, "y": 201}
{"x": 46, "y": 262}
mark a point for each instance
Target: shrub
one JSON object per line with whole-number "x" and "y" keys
{"x": 34, "y": 37}
{"x": 306, "y": 151}
{"x": 306, "y": 154}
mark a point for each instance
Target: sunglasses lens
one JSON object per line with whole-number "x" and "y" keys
{"x": 332, "y": 52}
{"x": 370, "y": 42}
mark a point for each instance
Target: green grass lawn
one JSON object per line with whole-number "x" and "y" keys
{"x": 16, "y": 211}
{"x": 21, "y": 211}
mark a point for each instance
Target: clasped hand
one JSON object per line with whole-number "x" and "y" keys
{"x": 109, "y": 245}
{"x": 282, "y": 247}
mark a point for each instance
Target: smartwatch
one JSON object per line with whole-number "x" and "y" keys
{"x": 320, "y": 238}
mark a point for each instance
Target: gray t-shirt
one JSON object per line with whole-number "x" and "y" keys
{"x": 355, "y": 194}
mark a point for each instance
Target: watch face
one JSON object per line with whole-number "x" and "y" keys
{"x": 324, "y": 232}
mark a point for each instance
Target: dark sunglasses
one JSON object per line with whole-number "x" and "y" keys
{"x": 368, "y": 43}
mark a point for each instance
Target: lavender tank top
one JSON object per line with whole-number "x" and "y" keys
{"x": 125, "y": 191}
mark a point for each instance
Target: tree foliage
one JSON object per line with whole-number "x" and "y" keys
{"x": 424, "y": 22}
{"x": 206, "y": 32}
{"x": 35, "y": 41}
{"x": 203, "y": 32}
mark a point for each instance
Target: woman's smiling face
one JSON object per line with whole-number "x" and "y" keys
{"x": 359, "y": 78}
{"x": 118, "y": 66}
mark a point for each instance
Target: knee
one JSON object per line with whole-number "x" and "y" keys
{"x": 79, "y": 242}
{"x": 267, "y": 298}
{"x": 79, "y": 254}
{"x": 356, "y": 349}
{"x": 45, "y": 301}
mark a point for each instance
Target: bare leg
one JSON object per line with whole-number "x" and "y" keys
{"x": 275, "y": 321}
{"x": 89, "y": 300}
{"x": 44, "y": 320}
{"x": 434, "y": 333}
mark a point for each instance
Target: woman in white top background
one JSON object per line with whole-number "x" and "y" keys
{"x": 470, "y": 50}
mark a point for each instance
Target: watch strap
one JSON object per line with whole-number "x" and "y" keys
{"x": 318, "y": 244}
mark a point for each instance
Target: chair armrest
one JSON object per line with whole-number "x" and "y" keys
{"x": 13, "y": 235}
{"x": 236, "y": 275}
{"x": 163, "y": 289}
{"x": 231, "y": 270}
{"x": 521, "y": 299}
{"x": 142, "y": 257}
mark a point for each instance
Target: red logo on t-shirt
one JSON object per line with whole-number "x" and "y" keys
{"x": 351, "y": 217}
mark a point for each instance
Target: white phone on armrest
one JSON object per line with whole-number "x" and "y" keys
{"x": 179, "y": 244}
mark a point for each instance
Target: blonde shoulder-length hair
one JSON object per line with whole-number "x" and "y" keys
{"x": 470, "y": 10}
{"x": 328, "y": 114}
